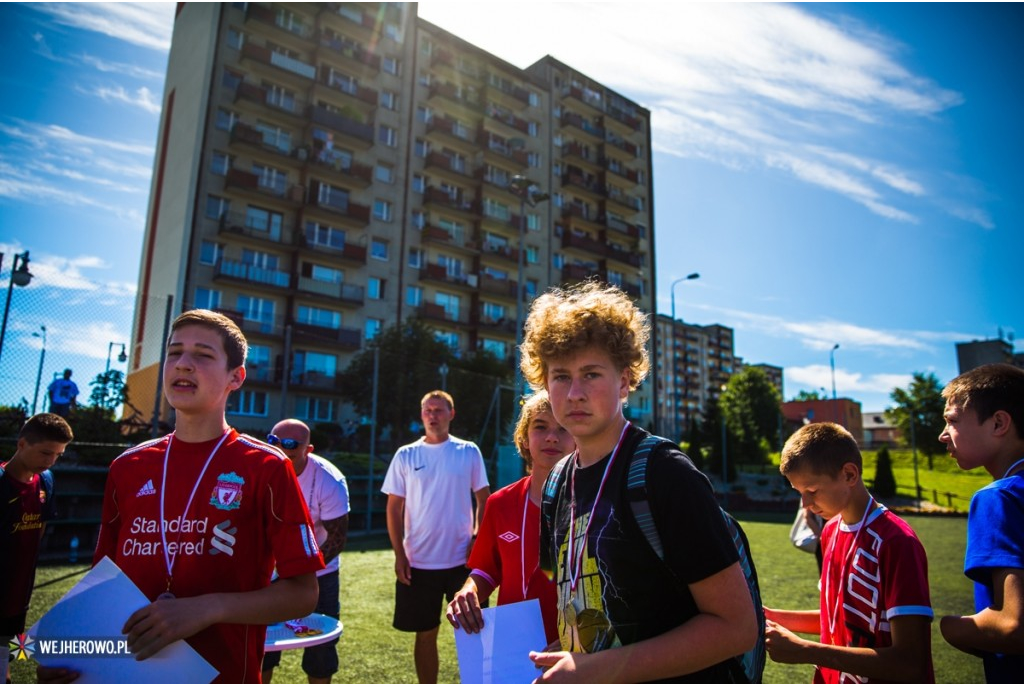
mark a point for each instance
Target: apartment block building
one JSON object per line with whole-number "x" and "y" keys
{"x": 692, "y": 363}
{"x": 324, "y": 171}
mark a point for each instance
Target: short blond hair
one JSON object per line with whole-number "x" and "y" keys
{"x": 441, "y": 395}
{"x": 535, "y": 404}
{"x": 564, "y": 322}
{"x": 821, "y": 449}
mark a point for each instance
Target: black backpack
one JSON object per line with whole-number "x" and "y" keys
{"x": 745, "y": 668}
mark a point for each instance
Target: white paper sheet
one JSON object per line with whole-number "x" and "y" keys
{"x": 500, "y": 653}
{"x": 96, "y": 608}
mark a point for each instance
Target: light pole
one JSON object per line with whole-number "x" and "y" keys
{"x": 527, "y": 192}
{"x": 913, "y": 447}
{"x": 121, "y": 357}
{"x": 721, "y": 418}
{"x": 443, "y": 369}
{"x": 39, "y": 373}
{"x": 20, "y": 276}
{"x": 832, "y": 363}
{"x": 675, "y": 386}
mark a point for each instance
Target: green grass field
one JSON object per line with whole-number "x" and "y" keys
{"x": 372, "y": 652}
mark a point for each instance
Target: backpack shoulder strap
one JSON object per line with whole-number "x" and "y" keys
{"x": 47, "y": 478}
{"x": 552, "y": 486}
{"x": 636, "y": 492}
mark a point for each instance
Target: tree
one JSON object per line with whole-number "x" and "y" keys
{"x": 808, "y": 396}
{"x": 410, "y": 358}
{"x": 885, "y": 481}
{"x": 108, "y": 390}
{"x": 751, "y": 405}
{"x": 922, "y": 401}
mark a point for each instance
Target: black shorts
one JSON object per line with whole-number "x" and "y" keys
{"x": 418, "y": 606}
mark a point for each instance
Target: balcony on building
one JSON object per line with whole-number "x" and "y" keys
{"x": 504, "y": 287}
{"x": 466, "y": 99}
{"x": 591, "y": 98}
{"x": 351, "y": 93}
{"x": 338, "y": 338}
{"x": 285, "y": 27}
{"x": 577, "y": 272}
{"x": 503, "y": 325}
{"x": 250, "y": 273}
{"x": 589, "y": 128}
{"x": 620, "y": 171}
{"x": 437, "y": 312}
{"x": 517, "y": 125}
{"x": 581, "y": 153}
{"x": 266, "y": 56}
{"x": 250, "y": 92}
{"x": 618, "y": 225}
{"x": 438, "y": 273}
{"x": 343, "y": 49}
{"x": 452, "y": 131}
{"x": 347, "y": 293}
{"x": 618, "y": 147}
{"x": 625, "y": 200}
{"x": 457, "y": 168}
{"x": 328, "y": 198}
{"x": 495, "y": 144}
{"x": 578, "y": 179}
{"x": 238, "y": 224}
{"x": 255, "y": 184}
{"x": 624, "y": 256}
{"x": 314, "y": 380}
{"x": 436, "y": 196}
{"x": 504, "y": 251}
{"x": 244, "y": 134}
{"x": 632, "y": 124}
{"x": 337, "y": 165}
{"x": 582, "y": 241}
{"x": 346, "y": 253}
{"x": 437, "y": 235}
{"x": 504, "y": 92}
{"x": 352, "y": 131}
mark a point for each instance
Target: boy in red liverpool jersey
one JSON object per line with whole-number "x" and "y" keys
{"x": 199, "y": 518}
{"x": 875, "y": 613}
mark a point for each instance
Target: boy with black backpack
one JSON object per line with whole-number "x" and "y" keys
{"x": 633, "y": 606}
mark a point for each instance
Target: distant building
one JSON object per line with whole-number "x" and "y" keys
{"x": 843, "y": 411}
{"x": 878, "y": 432}
{"x": 971, "y": 355}
{"x": 774, "y": 374}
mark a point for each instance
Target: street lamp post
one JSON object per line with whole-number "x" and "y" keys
{"x": 122, "y": 357}
{"x": 832, "y": 363}
{"x": 527, "y": 193}
{"x": 20, "y": 276}
{"x": 39, "y": 373}
{"x": 913, "y": 447}
{"x": 443, "y": 369}
{"x": 721, "y": 418}
{"x": 675, "y": 386}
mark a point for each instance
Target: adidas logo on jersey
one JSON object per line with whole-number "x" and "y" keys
{"x": 146, "y": 489}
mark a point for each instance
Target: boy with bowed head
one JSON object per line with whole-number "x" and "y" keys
{"x": 874, "y": 618}
{"x": 198, "y": 518}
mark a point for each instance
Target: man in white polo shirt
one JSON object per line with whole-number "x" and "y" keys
{"x": 431, "y": 524}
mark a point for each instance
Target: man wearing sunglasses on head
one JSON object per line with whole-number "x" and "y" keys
{"x": 326, "y": 493}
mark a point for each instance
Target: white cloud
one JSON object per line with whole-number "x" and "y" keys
{"x": 817, "y": 376}
{"x": 146, "y": 24}
{"x": 121, "y": 68}
{"x": 142, "y": 97}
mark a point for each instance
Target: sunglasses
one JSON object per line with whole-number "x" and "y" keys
{"x": 286, "y": 443}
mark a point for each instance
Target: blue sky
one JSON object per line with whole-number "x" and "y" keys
{"x": 837, "y": 173}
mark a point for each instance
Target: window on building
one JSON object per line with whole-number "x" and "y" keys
{"x": 320, "y": 409}
{"x": 449, "y": 338}
{"x": 532, "y": 254}
{"x": 207, "y": 299}
{"x": 235, "y": 38}
{"x": 324, "y": 236}
{"x": 389, "y": 99}
{"x": 417, "y": 258}
{"x": 372, "y": 328}
{"x": 419, "y": 219}
{"x": 247, "y": 403}
{"x": 275, "y": 137}
{"x": 496, "y": 347}
{"x": 260, "y": 219}
{"x": 421, "y": 148}
{"x": 315, "y": 316}
{"x": 423, "y": 114}
{"x": 217, "y": 207}
{"x": 379, "y": 249}
{"x": 533, "y": 222}
{"x": 375, "y": 288}
{"x": 382, "y": 210}
{"x": 452, "y": 266}
{"x": 210, "y": 252}
{"x": 387, "y": 135}
{"x": 324, "y": 274}
{"x": 419, "y": 183}
{"x": 257, "y": 364}
{"x": 220, "y": 163}
{"x": 385, "y": 173}
{"x": 450, "y": 303}
{"x": 260, "y": 259}
{"x": 533, "y": 159}
{"x": 531, "y": 127}
{"x": 270, "y": 179}
{"x": 314, "y": 366}
{"x": 493, "y": 312}
{"x": 226, "y": 119}
{"x": 391, "y": 65}
{"x": 413, "y": 296}
{"x": 280, "y": 97}
{"x": 231, "y": 79}
{"x": 257, "y": 310}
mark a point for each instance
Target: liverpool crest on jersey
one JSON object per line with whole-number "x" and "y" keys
{"x": 227, "y": 493}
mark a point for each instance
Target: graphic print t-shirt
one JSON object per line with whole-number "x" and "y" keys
{"x": 624, "y": 593}
{"x": 26, "y": 507}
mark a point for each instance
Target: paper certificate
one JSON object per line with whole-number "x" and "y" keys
{"x": 82, "y": 632}
{"x": 500, "y": 653}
